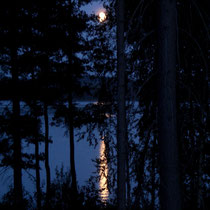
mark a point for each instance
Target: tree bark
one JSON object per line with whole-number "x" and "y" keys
{"x": 121, "y": 117}
{"x": 170, "y": 197}
{"x": 47, "y": 165}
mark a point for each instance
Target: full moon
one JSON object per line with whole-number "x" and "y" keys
{"x": 102, "y": 16}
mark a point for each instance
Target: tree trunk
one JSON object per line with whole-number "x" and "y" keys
{"x": 17, "y": 154}
{"x": 71, "y": 140}
{"x": 153, "y": 172}
{"x": 38, "y": 190}
{"x": 18, "y": 197}
{"x": 200, "y": 172}
{"x": 141, "y": 168}
{"x": 70, "y": 109}
{"x": 47, "y": 166}
{"x": 170, "y": 197}
{"x": 37, "y": 157}
{"x": 128, "y": 189}
{"x": 203, "y": 139}
{"x": 121, "y": 117}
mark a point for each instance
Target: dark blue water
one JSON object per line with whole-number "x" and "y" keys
{"x": 58, "y": 157}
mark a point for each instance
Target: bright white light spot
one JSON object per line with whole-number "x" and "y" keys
{"x": 102, "y": 16}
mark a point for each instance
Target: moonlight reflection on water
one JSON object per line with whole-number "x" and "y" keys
{"x": 103, "y": 173}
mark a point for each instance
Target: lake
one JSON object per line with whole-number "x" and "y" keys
{"x": 59, "y": 157}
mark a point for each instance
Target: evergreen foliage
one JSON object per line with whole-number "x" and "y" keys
{"x": 53, "y": 56}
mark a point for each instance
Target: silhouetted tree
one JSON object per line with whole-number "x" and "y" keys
{"x": 170, "y": 194}
{"x": 121, "y": 116}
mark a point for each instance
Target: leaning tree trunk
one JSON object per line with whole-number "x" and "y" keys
{"x": 170, "y": 197}
{"x": 121, "y": 116}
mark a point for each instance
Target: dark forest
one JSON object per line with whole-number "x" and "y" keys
{"x": 142, "y": 69}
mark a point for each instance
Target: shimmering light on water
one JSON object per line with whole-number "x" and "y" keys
{"x": 103, "y": 173}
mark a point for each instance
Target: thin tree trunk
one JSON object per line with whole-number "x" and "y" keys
{"x": 141, "y": 166}
{"x": 153, "y": 174}
{"x": 17, "y": 155}
{"x": 38, "y": 190}
{"x": 203, "y": 139}
{"x": 193, "y": 159}
{"x": 199, "y": 179}
{"x": 47, "y": 165}
{"x": 36, "y": 144}
{"x": 121, "y": 117}
{"x": 16, "y": 115}
{"x": 127, "y": 172}
{"x": 71, "y": 115}
{"x": 46, "y": 12}
{"x": 170, "y": 197}
{"x": 71, "y": 141}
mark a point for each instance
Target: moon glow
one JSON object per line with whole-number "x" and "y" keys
{"x": 102, "y": 16}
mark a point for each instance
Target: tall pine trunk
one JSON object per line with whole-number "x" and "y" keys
{"x": 121, "y": 116}
{"x": 18, "y": 197}
{"x": 170, "y": 197}
{"x": 47, "y": 165}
